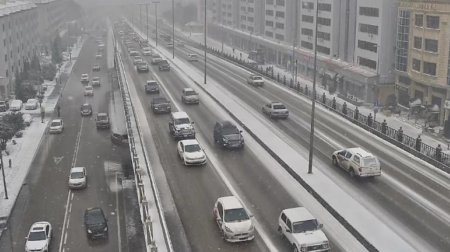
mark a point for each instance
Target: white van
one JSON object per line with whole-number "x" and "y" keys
{"x": 15, "y": 105}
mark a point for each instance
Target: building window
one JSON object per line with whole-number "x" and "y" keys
{"x": 416, "y": 65}
{"x": 324, "y": 21}
{"x": 324, "y": 7}
{"x": 269, "y": 2}
{"x": 307, "y": 5}
{"x": 280, "y": 2}
{"x": 431, "y": 45}
{"x": 250, "y": 9}
{"x": 429, "y": 68}
{"x": 308, "y": 19}
{"x": 417, "y": 43}
{"x": 433, "y": 22}
{"x": 269, "y": 34}
{"x": 269, "y": 12}
{"x": 279, "y": 25}
{"x": 369, "y": 11}
{"x": 269, "y": 23}
{"x": 404, "y": 80}
{"x": 279, "y": 37}
{"x": 279, "y": 14}
{"x": 307, "y": 45}
{"x": 366, "y": 28}
{"x": 307, "y": 32}
{"x": 243, "y": 17}
{"x": 323, "y": 35}
{"x": 250, "y": 19}
{"x": 323, "y": 50}
{"x": 403, "y": 20}
{"x": 367, "y": 63}
{"x": 367, "y": 46}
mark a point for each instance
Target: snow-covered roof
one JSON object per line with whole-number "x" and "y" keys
{"x": 189, "y": 142}
{"x": 14, "y": 7}
{"x": 230, "y": 202}
{"x": 298, "y": 214}
{"x": 179, "y": 114}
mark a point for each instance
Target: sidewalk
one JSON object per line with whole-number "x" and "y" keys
{"x": 24, "y": 150}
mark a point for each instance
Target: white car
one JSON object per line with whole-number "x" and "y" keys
{"x": 189, "y": 96}
{"x": 27, "y": 119}
{"x": 39, "y": 237}
{"x": 96, "y": 81}
{"x": 31, "y": 104}
{"x": 56, "y": 126}
{"x": 88, "y": 91}
{"x": 275, "y": 110}
{"x": 77, "y": 178}
{"x": 255, "y": 80}
{"x": 156, "y": 59}
{"x": 84, "y": 78}
{"x": 192, "y": 57}
{"x": 137, "y": 60}
{"x": 98, "y": 56}
{"x": 190, "y": 152}
{"x": 234, "y": 221}
{"x": 302, "y": 230}
{"x": 147, "y": 52}
{"x": 15, "y": 105}
{"x": 357, "y": 162}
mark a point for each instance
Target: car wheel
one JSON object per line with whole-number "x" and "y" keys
{"x": 279, "y": 230}
{"x": 295, "y": 248}
{"x": 352, "y": 172}
{"x": 335, "y": 163}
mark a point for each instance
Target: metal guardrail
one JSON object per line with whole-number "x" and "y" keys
{"x": 432, "y": 155}
{"x": 136, "y": 154}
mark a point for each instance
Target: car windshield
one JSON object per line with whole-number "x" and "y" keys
{"x": 190, "y": 92}
{"x": 369, "y": 161}
{"x": 37, "y": 236}
{"x": 96, "y": 78}
{"x": 94, "y": 217}
{"x": 88, "y": 88}
{"x": 152, "y": 83}
{"x": 160, "y": 100}
{"x": 76, "y": 175}
{"x": 279, "y": 106}
{"x": 55, "y": 124}
{"x": 192, "y": 148}
{"x": 182, "y": 121}
{"x": 230, "y": 130}
{"x": 304, "y": 226}
{"x": 102, "y": 117}
{"x": 235, "y": 215}
{"x": 86, "y": 107}
{"x": 257, "y": 78}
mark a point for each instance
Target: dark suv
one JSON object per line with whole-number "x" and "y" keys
{"x": 102, "y": 121}
{"x": 96, "y": 223}
{"x": 160, "y": 105}
{"x": 228, "y": 135}
{"x": 164, "y": 65}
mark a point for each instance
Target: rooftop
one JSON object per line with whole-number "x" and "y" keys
{"x": 298, "y": 214}
{"x": 230, "y": 202}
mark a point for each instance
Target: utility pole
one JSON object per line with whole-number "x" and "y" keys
{"x": 140, "y": 16}
{"x": 294, "y": 41}
{"x": 173, "y": 29}
{"x": 156, "y": 21}
{"x": 311, "y": 136}
{"x": 204, "y": 81}
{"x": 146, "y": 14}
{"x": 3, "y": 174}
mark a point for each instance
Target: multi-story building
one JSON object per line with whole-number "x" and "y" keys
{"x": 251, "y": 14}
{"x": 423, "y": 58}
{"x": 18, "y": 33}
{"x": 279, "y": 21}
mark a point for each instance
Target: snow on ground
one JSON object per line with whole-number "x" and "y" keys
{"x": 375, "y": 231}
{"x": 23, "y": 152}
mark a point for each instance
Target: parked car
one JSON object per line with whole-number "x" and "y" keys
{"x": 15, "y": 105}
{"x": 151, "y": 87}
{"x": 86, "y": 109}
{"x": 27, "y": 119}
{"x": 88, "y": 91}
{"x": 56, "y": 126}
{"x": 160, "y": 105}
{"x": 255, "y": 80}
{"x": 192, "y": 57}
{"x": 77, "y": 178}
{"x": 31, "y": 104}
{"x": 142, "y": 67}
{"x": 164, "y": 65}
{"x": 275, "y": 110}
{"x": 39, "y": 237}
{"x": 180, "y": 125}
{"x": 234, "y": 221}
{"x": 302, "y": 230}
{"x": 85, "y": 78}
{"x": 102, "y": 121}
{"x": 190, "y": 152}
{"x": 357, "y": 162}
{"x": 3, "y": 106}
{"x": 228, "y": 135}
{"x": 95, "y": 223}
{"x": 189, "y": 96}
{"x": 96, "y": 81}
{"x": 96, "y": 67}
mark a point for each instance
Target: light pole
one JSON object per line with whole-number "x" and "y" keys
{"x": 173, "y": 29}
{"x": 156, "y": 21}
{"x": 294, "y": 41}
{"x": 311, "y": 136}
{"x": 204, "y": 80}
{"x": 3, "y": 174}
{"x": 146, "y": 14}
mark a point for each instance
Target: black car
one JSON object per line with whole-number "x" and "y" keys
{"x": 228, "y": 135}
{"x": 160, "y": 105}
{"x": 96, "y": 223}
{"x": 164, "y": 65}
{"x": 142, "y": 67}
{"x": 152, "y": 87}
{"x": 86, "y": 109}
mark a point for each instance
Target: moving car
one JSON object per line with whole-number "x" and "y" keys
{"x": 147, "y": 52}
{"x": 228, "y": 135}
{"x": 134, "y": 53}
{"x": 234, "y": 221}
{"x": 255, "y": 80}
{"x": 302, "y": 230}
{"x": 170, "y": 45}
{"x": 180, "y": 126}
{"x": 15, "y": 105}
{"x": 85, "y": 78}
{"x": 160, "y": 105}
{"x": 142, "y": 67}
{"x": 95, "y": 223}
{"x": 56, "y": 126}
{"x": 192, "y": 57}
{"x": 39, "y": 237}
{"x": 189, "y": 96}
{"x": 96, "y": 67}
{"x": 96, "y": 81}
{"x": 156, "y": 59}
{"x": 357, "y": 162}
{"x": 86, "y": 109}
{"x": 98, "y": 56}
{"x": 190, "y": 152}
{"x": 151, "y": 87}
{"x": 275, "y": 110}
{"x": 102, "y": 121}
{"x": 31, "y": 104}
{"x": 88, "y": 91}
{"x": 164, "y": 65}
{"x": 77, "y": 178}
{"x": 137, "y": 60}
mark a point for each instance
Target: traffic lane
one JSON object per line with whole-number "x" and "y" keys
{"x": 195, "y": 189}
{"x": 385, "y": 195}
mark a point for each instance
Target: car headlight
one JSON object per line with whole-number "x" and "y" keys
{"x": 326, "y": 245}
{"x": 105, "y": 229}
{"x": 251, "y": 229}
{"x": 228, "y": 230}
{"x": 225, "y": 140}
{"x": 89, "y": 231}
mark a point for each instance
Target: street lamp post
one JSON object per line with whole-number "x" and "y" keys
{"x": 156, "y": 21}
{"x": 3, "y": 174}
{"x": 313, "y": 107}
{"x": 173, "y": 29}
{"x": 204, "y": 80}
{"x": 146, "y": 14}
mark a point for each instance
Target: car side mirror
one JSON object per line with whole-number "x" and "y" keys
{"x": 26, "y": 237}
{"x": 288, "y": 230}
{"x": 320, "y": 226}
{"x": 170, "y": 123}
{"x": 240, "y": 131}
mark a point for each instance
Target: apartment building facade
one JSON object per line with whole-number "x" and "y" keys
{"x": 18, "y": 36}
{"x": 51, "y": 19}
{"x": 423, "y": 58}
